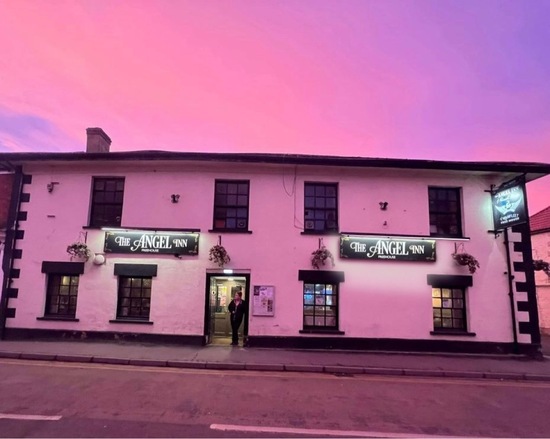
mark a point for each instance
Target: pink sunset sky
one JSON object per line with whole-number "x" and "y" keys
{"x": 442, "y": 79}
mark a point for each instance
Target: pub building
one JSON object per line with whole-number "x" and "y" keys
{"x": 331, "y": 252}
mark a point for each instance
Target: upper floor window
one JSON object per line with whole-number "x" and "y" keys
{"x": 107, "y": 197}
{"x": 231, "y": 199}
{"x": 445, "y": 211}
{"x": 61, "y": 295}
{"x": 321, "y": 207}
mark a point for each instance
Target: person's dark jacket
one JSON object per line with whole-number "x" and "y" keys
{"x": 237, "y": 311}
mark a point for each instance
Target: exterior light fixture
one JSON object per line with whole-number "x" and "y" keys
{"x": 175, "y": 198}
{"x": 383, "y": 205}
{"x": 227, "y": 271}
{"x": 51, "y": 185}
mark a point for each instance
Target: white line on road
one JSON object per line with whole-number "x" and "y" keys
{"x": 29, "y": 417}
{"x": 319, "y": 432}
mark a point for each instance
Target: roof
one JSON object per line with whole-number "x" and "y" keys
{"x": 540, "y": 222}
{"x": 531, "y": 170}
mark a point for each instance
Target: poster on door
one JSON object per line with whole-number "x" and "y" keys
{"x": 262, "y": 300}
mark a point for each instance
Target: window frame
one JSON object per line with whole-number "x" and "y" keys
{"x": 440, "y": 213}
{"x": 311, "y": 212}
{"x": 120, "y": 298}
{"x": 335, "y": 295}
{"x": 463, "y": 329}
{"x": 51, "y": 294}
{"x": 95, "y": 205}
{"x": 219, "y": 206}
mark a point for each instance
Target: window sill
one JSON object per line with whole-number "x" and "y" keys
{"x": 455, "y": 333}
{"x": 100, "y": 227}
{"x": 450, "y": 237}
{"x": 322, "y": 331}
{"x": 320, "y": 232}
{"x": 139, "y": 322}
{"x": 229, "y": 231}
{"x": 61, "y": 318}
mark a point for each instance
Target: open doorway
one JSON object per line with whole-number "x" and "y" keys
{"x": 220, "y": 290}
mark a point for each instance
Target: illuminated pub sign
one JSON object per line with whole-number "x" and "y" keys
{"x": 393, "y": 249}
{"x": 509, "y": 205}
{"x": 151, "y": 242}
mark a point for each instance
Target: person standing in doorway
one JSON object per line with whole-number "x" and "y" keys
{"x": 237, "y": 309}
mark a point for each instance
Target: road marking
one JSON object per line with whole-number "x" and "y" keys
{"x": 29, "y": 417}
{"x": 319, "y": 432}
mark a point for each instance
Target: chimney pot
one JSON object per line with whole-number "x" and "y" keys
{"x": 97, "y": 140}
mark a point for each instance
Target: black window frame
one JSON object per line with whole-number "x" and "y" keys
{"x": 457, "y": 295}
{"x": 141, "y": 298}
{"x": 318, "y": 308}
{"x": 55, "y": 284}
{"x": 226, "y": 209}
{"x": 316, "y": 211}
{"x": 101, "y": 202}
{"x": 444, "y": 211}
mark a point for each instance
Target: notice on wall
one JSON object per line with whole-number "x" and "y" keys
{"x": 262, "y": 300}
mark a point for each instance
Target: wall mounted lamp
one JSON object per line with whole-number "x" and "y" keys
{"x": 175, "y": 198}
{"x": 383, "y": 205}
{"x": 51, "y": 185}
{"x": 99, "y": 259}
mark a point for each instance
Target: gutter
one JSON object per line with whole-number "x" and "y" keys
{"x": 9, "y": 245}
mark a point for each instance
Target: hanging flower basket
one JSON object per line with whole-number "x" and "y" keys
{"x": 219, "y": 255}
{"x": 79, "y": 250}
{"x": 468, "y": 260}
{"x": 540, "y": 265}
{"x": 320, "y": 257}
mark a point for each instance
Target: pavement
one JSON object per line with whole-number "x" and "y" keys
{"x": 221, "y": 357}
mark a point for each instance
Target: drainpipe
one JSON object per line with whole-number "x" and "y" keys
{"x": 9, "y": 245}
{"x": 511, "y": 291}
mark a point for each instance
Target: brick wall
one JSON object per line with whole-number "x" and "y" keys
{"x": 6, "y": 181}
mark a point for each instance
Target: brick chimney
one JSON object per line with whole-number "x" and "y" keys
{"x": 97, "y": 140}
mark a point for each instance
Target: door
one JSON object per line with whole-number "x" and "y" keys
{"x": 221, "y": 289}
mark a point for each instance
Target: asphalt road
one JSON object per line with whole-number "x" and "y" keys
{"x": 47, "y": 399}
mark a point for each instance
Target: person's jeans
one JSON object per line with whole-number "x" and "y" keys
{"x": 235, "y": 324}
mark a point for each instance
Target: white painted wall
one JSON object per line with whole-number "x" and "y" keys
{"x": 378, "y": 298}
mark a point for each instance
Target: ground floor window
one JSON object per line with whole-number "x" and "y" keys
{"x": 61, "y": 295}
{"x": 320, "y": 306}
{"x": 449, "y": 309}
{"x": 134, "y": 297}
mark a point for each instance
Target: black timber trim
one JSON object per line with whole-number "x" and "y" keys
{"x": 20, "y": 234}
{"x": 520, "y": 168}
{"x": 13, "y": 293}
{"x": 12, "y": 233}
{"x": 137, "y": 270}
{"x": 67, "y": 268}
{"x": 532, "y": 326}
{"x": 450, "y": 281}
{"x": 25, "y": 198}
{"x": 523, "y": 306}
{"x": 22, "y": 216}
{"x": 319, "y": 276}
{"x": 27, "y": 179}
{"x": 391, "y": 344}
{"x": 113, "y": 336}
{"x": 17, "y": 254}
{"x": 15, "y": 273}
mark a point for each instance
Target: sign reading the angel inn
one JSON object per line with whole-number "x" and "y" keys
{"x": 151, "y": 242}
{"x": 393, "y": 249}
